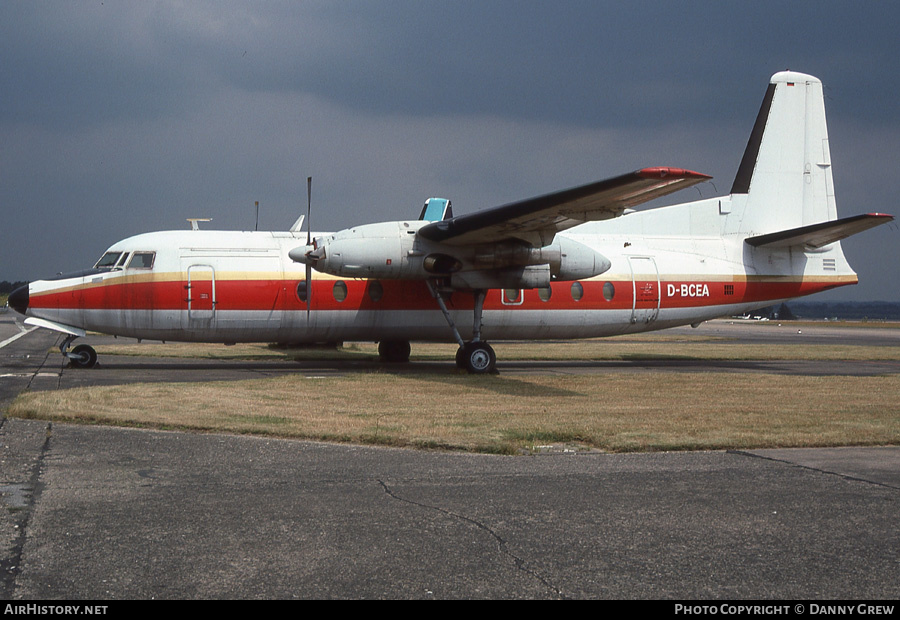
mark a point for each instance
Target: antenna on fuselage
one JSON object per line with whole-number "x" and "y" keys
{"x": 298, "y": 225}
{"x": 195, "y": 221}
{"x": 257, "y": 215}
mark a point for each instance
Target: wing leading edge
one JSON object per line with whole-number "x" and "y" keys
{"x": 537, "y": 220}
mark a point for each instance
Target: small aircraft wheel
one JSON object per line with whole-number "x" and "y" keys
{"x": 394, "y": 351}
{"x": 83, "y": 356}
{"x": 479, "y": 358}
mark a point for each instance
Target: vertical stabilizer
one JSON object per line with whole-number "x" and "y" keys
{"x": 785, "y": 172}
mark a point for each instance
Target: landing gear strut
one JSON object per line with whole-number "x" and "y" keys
{"x": 82, "y": 356}
{"x": 475, "y": 356}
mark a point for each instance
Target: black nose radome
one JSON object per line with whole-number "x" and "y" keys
{"x": 18, "y": 299}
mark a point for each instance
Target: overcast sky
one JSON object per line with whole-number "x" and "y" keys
{"x": 118, "y": 118}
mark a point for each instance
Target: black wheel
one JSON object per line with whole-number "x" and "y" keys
{"x": 394, "y": 351}
{"x": 479, "y": 358}
{"x": 461, "y": 357}
{"x": 83, "y": 356}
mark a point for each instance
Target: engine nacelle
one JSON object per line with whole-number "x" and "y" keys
{"x": 391, "y": 250}
{"x": 577, "y": 261}
{"x": 370, "y": 251}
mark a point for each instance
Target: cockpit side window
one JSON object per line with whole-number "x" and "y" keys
{"x": 142, "y": 260}
{"x": 108, "y": 260}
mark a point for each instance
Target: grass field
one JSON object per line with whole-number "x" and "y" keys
{"x": 633, "y": 347}
{"x": 610, "y": 411}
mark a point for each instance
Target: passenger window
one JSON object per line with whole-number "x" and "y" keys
{"x": 577, "y": 291}
{"x": 376, "y": 291}
{"x": 340, "y": 291}
{"x": 512, "y": 297}
{"x": 609, "y": 291}
{"x": 302, "y": 291}
{"x": 142, "y": 260}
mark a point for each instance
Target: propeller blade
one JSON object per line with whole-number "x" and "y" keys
{"x": 308, "y": 208}
{"x": 308, "y": 234}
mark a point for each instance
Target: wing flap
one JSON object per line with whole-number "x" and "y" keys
{"x": 820, "y": 235}
{"x": 537, "y": 220}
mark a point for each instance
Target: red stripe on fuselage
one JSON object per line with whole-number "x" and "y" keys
{"x": 281, "y": 295}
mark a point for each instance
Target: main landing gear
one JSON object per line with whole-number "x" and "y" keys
{"x": 394, "y": 351}
{"x": 475, "y": 356}
{"x": 82, "y": 356}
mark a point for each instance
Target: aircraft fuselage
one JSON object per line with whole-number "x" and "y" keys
{"x": 214, "y": 286}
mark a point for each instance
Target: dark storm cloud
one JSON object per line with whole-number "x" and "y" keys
{"x": 572, "y": 62}
{"x": 118, "y": 118}
{"x": 70, "y": 64}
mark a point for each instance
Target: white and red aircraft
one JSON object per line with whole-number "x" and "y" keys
{"x": 573, "y": 264}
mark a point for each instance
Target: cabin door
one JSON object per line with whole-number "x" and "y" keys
{"x": 645, "y": 289}
{"x": 200, "y": 293}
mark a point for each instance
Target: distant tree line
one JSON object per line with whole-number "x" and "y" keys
{"x": 781, "y": 313}
{"x": 852, "y": 310}
{"x": 8, "y": 287}
{"x": 849, "y": 310}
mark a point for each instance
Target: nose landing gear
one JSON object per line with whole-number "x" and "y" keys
{"x": 82, "y": 356}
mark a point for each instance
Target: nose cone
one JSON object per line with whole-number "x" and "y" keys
{"x": 301, "y": 254}
{"x": 18, "y": 299}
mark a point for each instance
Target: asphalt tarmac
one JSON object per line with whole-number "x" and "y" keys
{"x": 109, "y": 514}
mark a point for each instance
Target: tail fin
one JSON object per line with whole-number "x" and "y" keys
{"x": 785, "y": 172}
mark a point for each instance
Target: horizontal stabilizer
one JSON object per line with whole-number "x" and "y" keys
{"x": 819, "y": 235}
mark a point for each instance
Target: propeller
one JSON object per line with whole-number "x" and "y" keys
{"x": 308, "y": 241}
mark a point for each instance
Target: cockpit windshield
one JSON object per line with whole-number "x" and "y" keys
{"x": 115, "y": 261}
{"x": 108, "y": 260}
{"x": 142, "y": 260}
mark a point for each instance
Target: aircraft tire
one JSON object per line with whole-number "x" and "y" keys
{"x": 461, "y": 357}
{"x": 394, "y": 351}
{"x": 83, "y": 356}
{"x": 479, "y": 358}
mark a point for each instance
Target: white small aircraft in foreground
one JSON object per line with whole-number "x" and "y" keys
{"x": 573, "y": 264}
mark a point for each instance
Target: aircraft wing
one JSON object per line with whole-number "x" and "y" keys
{"x": 537, "y": 220}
